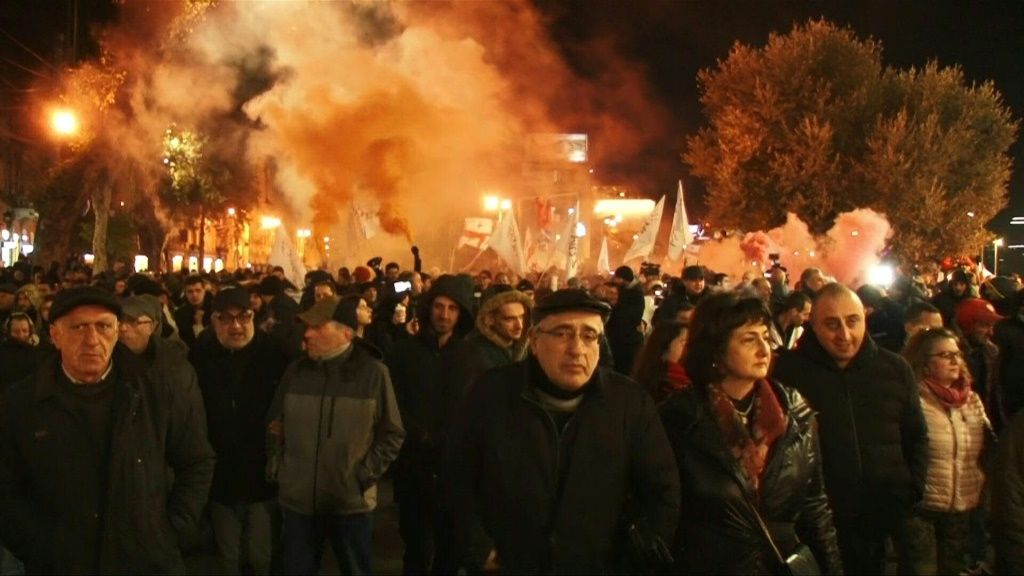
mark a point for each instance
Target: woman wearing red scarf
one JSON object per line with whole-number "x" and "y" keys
{"x": 746, "y": 447}
{"x": 934, "y": 538}
{"x": 657, "y": 365}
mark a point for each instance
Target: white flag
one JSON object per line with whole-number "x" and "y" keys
{"x": 506, "y": 243}
{"x": 367, "y": 218}
{"x": 283, "y": 254}
{"x": 602, "y": 259}
{"x": 476, "y": 232}
{"x": 572, "y": 251}
{"x": 680, "y": 237}
{"x": 644, "y": 243}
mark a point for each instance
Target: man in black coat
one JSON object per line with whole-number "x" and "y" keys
{"x": 874, "y": 439}
{"x": 422, "y": 369}
{"x": 239, "y": 369}
{"x": 623, "y": 327}
{"x": 102, "y": 470}
{"x": 193, "y": 316}
{"x": 555, "y": 463}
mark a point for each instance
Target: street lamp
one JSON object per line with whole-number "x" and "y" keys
{"x": 995, "y": 255}
{"x": 64, "y": 122}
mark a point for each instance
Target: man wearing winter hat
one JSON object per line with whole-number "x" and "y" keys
{"x": 336, "y": 423}
{"x": 624, "y": 330}
{"x": 691, "y": 289}
{"x": 102, "y": 468}
{"x": 422, "y": 368}
{"x": 976, "y": 318}
{"x": 239, "y": 369}
{"x": 547, "y": 452}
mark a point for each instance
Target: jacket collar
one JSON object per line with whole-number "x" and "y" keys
{"x": 810, "y": 347}
{"x": 530, "y": 371}
{"x": 127, "y": 369}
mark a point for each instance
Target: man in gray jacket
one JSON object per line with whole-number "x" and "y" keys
{"x": 335, "y": 428}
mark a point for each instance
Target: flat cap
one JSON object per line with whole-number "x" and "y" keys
{"x": 569, "y": 300}
{"x": 68, "y": 300}
{"x": 142, "y": 305}
{"x": 320, "y": 313}
{"x": 233, "y": 297}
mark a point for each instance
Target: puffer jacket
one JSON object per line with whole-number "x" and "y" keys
{"x": 341, "y": 432}
{"x": 956, "y": 439}
{"x": 718, "y": 532}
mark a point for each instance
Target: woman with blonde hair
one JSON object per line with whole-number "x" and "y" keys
{"x": 934, "y": 537}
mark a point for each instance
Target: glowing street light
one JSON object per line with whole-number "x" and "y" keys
{"x": 304, "y": 233}
{"x": 231, "y": 212}
{"x": 491, "y": 203}
{"x": 64, "y": 122}
{"x": 269, "y": 222}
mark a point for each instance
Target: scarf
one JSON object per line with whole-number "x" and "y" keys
{"x": 675, "y": 379}
{"x": 750, "y": 446}
{"x": 954, "y": 396}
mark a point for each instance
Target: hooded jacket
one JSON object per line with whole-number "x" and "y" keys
{"x": 874, "y": 440}
{"x": 483, "y": 349}
{"x": 422, "y": 371}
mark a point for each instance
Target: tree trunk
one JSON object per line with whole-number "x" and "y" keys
{"x": 101, "y": 212}
{"x": 202, "y": 235}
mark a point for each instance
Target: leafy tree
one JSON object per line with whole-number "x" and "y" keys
{"x": 192, "y": 184}
{"x": 813, "y": 123}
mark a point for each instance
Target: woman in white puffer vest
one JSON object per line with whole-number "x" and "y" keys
{"x": 934, "y": 536}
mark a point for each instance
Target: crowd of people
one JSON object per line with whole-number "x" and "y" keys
{"x": 629, "y": 423}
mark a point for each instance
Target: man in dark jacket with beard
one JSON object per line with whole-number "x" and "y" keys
{"x": 428, "y": 394}
{"x": 557, "y": 464}
{"x": 87, "y": 450}
{"x": 874, "y": 439}
{"x": 239, "y": 369}
{"x": 498, "y": 339}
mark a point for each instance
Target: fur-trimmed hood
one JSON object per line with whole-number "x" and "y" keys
{"x": 492, "y": 304}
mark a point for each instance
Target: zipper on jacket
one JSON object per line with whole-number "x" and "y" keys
{"x": 316, "y": 453}
{"x": 956, "y": 459}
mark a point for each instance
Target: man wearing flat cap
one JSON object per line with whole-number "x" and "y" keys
{"x": 553, "y": 456}
{"x": 87, "y": 450}
{"x": 239, "y": 369}
{"x": 335, "y": 428}
{"x": 139, "y": 330}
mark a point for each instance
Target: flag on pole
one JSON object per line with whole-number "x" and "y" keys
{"x": 283, "y": 254}
{"x": 367, "y": 218}
{"x": 506, "y": 243}
{"x": 602, "y": 259}
{"x": 644, "y": 243}
{"x": 572, "y": 252}
{"x": 476, "y": 232}
{"x": 680, "y": 237}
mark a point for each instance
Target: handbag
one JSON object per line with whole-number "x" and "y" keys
{"x": 801, "y": 562}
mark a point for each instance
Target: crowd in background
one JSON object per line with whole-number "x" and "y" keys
{"x": 630, "y": 422}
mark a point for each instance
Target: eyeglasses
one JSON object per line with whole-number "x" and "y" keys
{"x": 949, "y": 356}
{"x": 102, "y": 328}
{"x": 135, "y": 323}
{"x": 240, "y": 319}
{"x": 566, "y": 335}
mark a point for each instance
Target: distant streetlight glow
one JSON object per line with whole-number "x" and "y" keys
{"x": 269, "y": 222}
{"x": 491, "y": 203}
{"x": 64, "y": 122}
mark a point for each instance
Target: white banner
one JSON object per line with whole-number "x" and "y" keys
{"x": 572, "y": 252}
{"x": 506, "y": 243}
{"x": 476, "y": 232}
{"x": 283, "y": 254}
{"x": 602, "y": 259}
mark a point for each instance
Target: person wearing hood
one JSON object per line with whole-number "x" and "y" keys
{"x": 499, "y": 337}
{"x": 874, "y": 439}
{"x": 422, "y": 368}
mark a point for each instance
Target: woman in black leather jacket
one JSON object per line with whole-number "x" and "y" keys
{"x": 742, "y": 441}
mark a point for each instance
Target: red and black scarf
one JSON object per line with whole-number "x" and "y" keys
{"x": 750, "y": 446}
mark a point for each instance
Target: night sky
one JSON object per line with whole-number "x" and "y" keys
{"x": 670, "y": 41}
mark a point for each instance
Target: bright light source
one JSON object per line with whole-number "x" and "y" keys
{"x": 491, "y": 203}
{"x": 88, "y": 259}
{"x": 970, "y": 214}
{"x": 27, "y": 249}
{"x": 855, "y": 233}
{"x": 572, "y": 211}
{"x": 621, "y": 208}
{"x": 64, "y": 122}
{"x": 193, "y": 263}
{"x": 327, "y": 239}
{"x": 581, "y": 230}
{"x": 207, "y": 264}
{"x": 269, "y": 222}
{"x": 231, "y": 211}
{"x": 141, "y": 262}
{"x": 304, "y": 233}
{"x": 882, "y": 275}
{"x": 218, "y": 265}
{"x": 176, "y": 261}
{"x": 998, "y": 242}
{"x": 506, "y": 204}
{"x": 5, "y": 234}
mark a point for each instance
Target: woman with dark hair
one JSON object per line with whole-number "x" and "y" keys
{"x": 747, "y": 451}
{"x": 657, "y": 365}
{"x": 933, "y": 538}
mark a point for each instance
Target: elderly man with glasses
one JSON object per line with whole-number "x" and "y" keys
{"x": 239, "y": 369}
{"x": 102, "y": 468}
{"x": 559, "y": 466}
